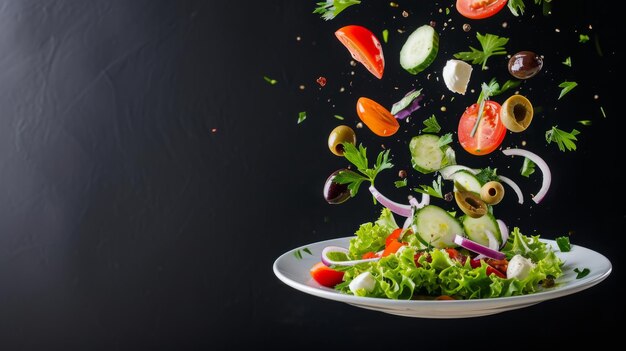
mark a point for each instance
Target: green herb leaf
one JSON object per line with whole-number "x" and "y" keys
{"x": 563, "y": 139}
{"x": 516, "y": 7}
{"x": 270, "y": 80}
{"x": 330, "y": 9}
{"x": 509, "y": 84}
{"x": 339, "y": 117}
{"x": 445, "y": 139}
{"x": 306, "y": 249}
{"x": 432, "y": 126}
{"x": 385, "y": 35}
{"x": 585, "y": 122}
{"x": 602, "y": 110}
{"x": 401, "y": 183}
{"x": 528, "y": 167}
{"x": 568, "y": 62}
{"x": 358, "y": 157}
{"x": 563, "y": 243}
{"x": 298, "y": 254}
{"x": 487, "y": 174}
{"x": 491, "y": 45}
{"x": 434, "y": 190}
{"x": 567, "y": 87}
{"x": 301, "y": 116}
{"x": 583, "y": 38}
{"x": 447, "y": 11}
{"x": 581, "y": 274}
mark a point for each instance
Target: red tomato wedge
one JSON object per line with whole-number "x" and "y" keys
{"x": 393, "y": 236}
{"x": 490, "y": 131}
{"x": 364, "y": 47}
{"x": 325, "y": 275}
{"x": 479, "y": 9}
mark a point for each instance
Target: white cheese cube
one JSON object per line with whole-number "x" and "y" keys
{"x": 456, "y": 75}
{"x": 362, "y": 281}
{"x": 519, "y": 267}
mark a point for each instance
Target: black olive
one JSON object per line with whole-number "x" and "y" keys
{"x": 525, "y": 64}
{"x": 335, "y": 193}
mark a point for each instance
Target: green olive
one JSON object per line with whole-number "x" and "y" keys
{"x": 341, "y": 134}
{"x": 492, "y": 192}
{"x": 516, "y": 113}
{"x": 470, "y": 203}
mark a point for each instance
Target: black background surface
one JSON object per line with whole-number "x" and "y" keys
{"x": 149, "y": 176}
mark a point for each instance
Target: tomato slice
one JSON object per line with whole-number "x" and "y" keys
{"x": 478, "y": 9}
{"x": 364, "y": 47}
{"x": 394, "y": 236}
{"x": 490, "y": 132}
{"x": 325, "y": 275}
{"x": 377, "y": 118}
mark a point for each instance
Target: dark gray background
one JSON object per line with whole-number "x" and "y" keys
{"x": 126, "y": 222}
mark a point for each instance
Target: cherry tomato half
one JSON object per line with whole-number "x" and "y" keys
{"x": 364, "y": 47}
{"x": 377, "y": 118}
{"x": 478, "y": 9}
{"x": 490, "y": 131}
{"x": 325, "y": 275}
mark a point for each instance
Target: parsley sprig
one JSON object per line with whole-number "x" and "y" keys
{"x": 563, "y": 139}
{"x": 434, "y": 190}
{"x": 491, "y": 45}
{"x": 358, "y": 157}
{"x": 330, "y": 9}
{"x": 432, "y": 126}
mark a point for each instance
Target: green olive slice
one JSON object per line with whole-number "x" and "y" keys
{"x": 470, "y": 203}
{"x": 340, "y": 135}
{"x": 492, "y": 192}
{"x": 516, "y": 113}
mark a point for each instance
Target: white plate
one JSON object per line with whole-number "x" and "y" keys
{"x": 295, "y": 273}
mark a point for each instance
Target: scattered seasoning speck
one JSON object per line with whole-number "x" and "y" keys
{"x": 443, "y": 109}
{"x": 504, "y": 24}
{"x": 352, "y": 63}
{"x": 440, "y": 10}
{"x": 302, "y": 87}
{"x": 402, "y": 174}
{"x": 590, "y": 27}
{"x": 321, "y": 81}
{"x": 342, "y": 89}
{"x": 433, "y": 24}
{"x": 523, "y": 142}
{"x": 447, "y": 10}
{"x": 213, "y": 130}
{"x": 393, "y": 4}
{"x": 557, "y": 30}
{"x": 448, "y": 196}
{"x": 359, "y": 125}
{"x": 405, "y": 14}
{"x": 301, "y": 116}
{"x": 596, "y": 97}
{"x": 270, "y": 80}
{"x": 298, "y": 38}
{"x": 467, "y": 27}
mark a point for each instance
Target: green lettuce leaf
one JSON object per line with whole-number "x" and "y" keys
{"x": 370, "y": 237}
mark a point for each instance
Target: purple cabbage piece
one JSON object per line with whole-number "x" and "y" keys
{"x": 409, "y": 104}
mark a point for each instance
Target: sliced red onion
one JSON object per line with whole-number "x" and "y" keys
{"x": 493, "y": 244}
{"x": 417, "y": 204}
{"x": 409, "y": 104}
{"x": 515, "y": 187}
{"x": 504, "y": 231}
{"x": 478, "y": 248}
{"x": 545, "y": 170}
{"x": 399, "y": 209}
{"x": 329, "y": 262}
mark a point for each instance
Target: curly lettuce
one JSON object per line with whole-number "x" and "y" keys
{"x": 370, "y": 237}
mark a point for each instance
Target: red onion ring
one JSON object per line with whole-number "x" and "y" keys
{"x": 399, "y": 209}
{"x": 515, "y": 187}
{"x": 545, "y": 170}
{"x": 478, "y": 248}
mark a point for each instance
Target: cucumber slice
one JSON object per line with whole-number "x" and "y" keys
{"x": 467, "y": 180}
{"x": 426, "y": 154}
{"x": 420, "y": 49}
{"x": 475, "y": 229}
{"x": 437, "y": 227}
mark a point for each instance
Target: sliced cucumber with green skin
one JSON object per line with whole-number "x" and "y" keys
{"x": 437, "y": 227}
{"x": 475, "y": 229}
{"x": 467, "y": 180}
{"x": 426, "y": 154}
{"x": 420, "y": 49}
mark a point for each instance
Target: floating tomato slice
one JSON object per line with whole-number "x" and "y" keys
{"x": 490, "y": 131}
{"x": 377, "y": 118}
{"x": 478, "y": 9}
{"x": 364, "y": 47}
